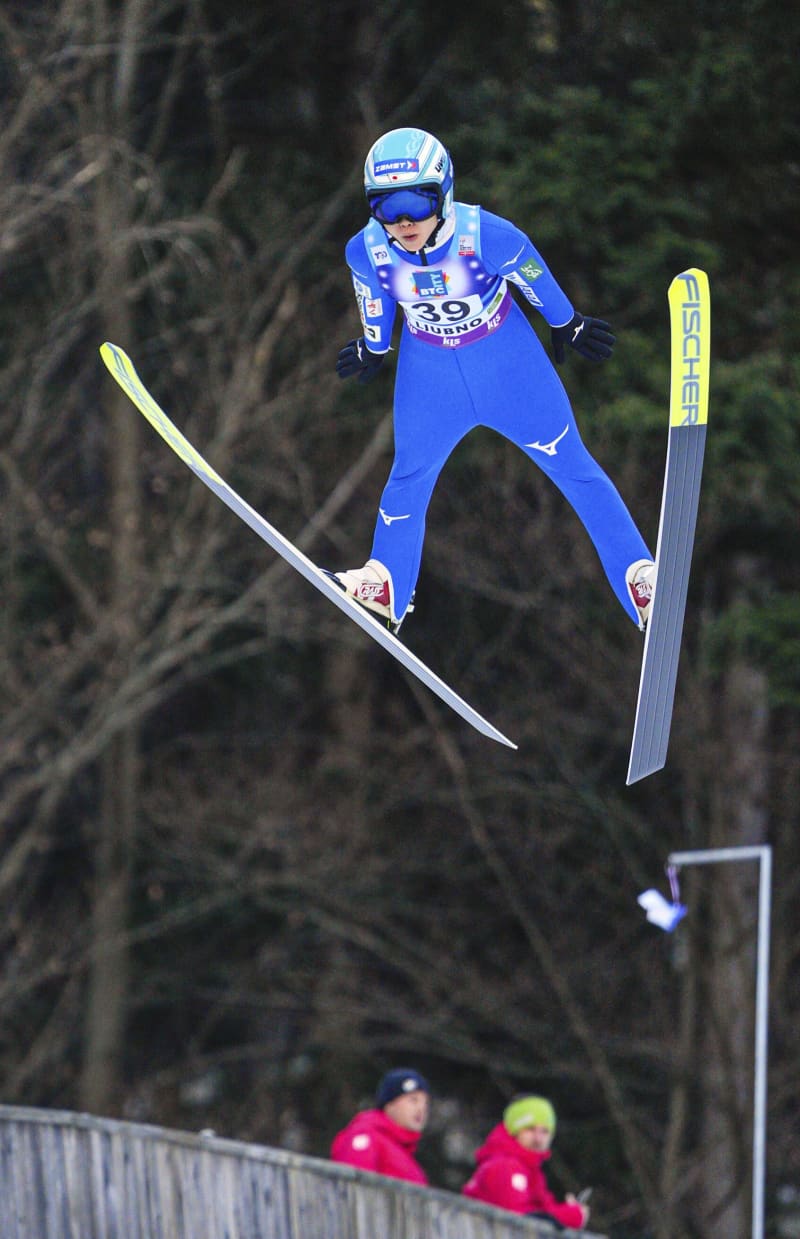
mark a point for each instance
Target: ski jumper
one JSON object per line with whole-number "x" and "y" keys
{"x": 373, "y": 1141}
{"x": 469, "y": 357}
{"x": 511, "y": 1177}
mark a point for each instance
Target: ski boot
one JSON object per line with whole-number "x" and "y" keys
{"x": 640, "y": 579}
{"x": 372, "y": 587}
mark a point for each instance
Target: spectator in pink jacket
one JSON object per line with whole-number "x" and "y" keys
{"x": 509, "y": 1165}
{"x": 385, "y": 1139}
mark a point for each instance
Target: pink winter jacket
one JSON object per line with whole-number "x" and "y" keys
{"x": 373, "y": 1141}
{"x": 512, "y": 1178}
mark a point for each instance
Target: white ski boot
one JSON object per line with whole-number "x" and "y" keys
{"x": 640, "y": 579}
{"x": 372, "y": 587}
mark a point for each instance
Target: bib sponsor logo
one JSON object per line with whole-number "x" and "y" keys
{"x": 430, "y": 284}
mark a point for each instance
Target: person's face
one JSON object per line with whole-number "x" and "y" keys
{"x": 409, "y": 1110}
{"x": 413, "y": 234}
{"x": 535, "y": 1139}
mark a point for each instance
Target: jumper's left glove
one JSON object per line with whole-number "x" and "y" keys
{"x": 355, "y": 358}
{"x": 591, "y": 337}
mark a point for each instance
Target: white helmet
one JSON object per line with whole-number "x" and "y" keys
{"x": 409, "y": 159}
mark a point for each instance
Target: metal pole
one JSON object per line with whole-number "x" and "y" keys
{"x": 763, "y": 855}
{"x": 762, "y": 1002}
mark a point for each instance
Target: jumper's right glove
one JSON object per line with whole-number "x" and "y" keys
{"x": 355, "y": 358}
{"x": 591, "y": 337}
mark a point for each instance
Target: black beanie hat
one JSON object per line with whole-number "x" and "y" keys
{"x": 398, "y": 1081}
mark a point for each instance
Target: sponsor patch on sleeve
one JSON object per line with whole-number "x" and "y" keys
{"x": 531, "y": 270}
{"x": 380, "y": 254}
{"x": 524, "y": 288}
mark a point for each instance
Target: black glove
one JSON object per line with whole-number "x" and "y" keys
{"x": 355, "y": 358}
{"x": 591, "y": 337}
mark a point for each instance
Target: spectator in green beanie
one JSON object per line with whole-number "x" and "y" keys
{"x": 509, "y": 1170}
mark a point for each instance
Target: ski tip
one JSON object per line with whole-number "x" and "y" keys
{"x": 111, "y": 353}
{"x": 113, "y": 356}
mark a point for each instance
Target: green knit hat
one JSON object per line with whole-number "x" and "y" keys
{"x": 529, "y": 1112}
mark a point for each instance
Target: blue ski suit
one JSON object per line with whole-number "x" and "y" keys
{"x": 469, "y": 357}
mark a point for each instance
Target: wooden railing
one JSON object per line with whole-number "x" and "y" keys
{"x": 72, "y": 1176}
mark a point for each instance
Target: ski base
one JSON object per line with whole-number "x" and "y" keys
{"x": 690, "y": 314}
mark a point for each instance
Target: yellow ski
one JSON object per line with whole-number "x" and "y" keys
{"x": 121, "y": 367}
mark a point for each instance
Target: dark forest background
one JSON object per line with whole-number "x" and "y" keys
{"x": 246, "y": 864}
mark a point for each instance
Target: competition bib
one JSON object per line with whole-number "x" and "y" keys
{"x": 452, "y": 321}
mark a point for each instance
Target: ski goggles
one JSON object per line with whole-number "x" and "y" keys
{"x": 389, "y": 206}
